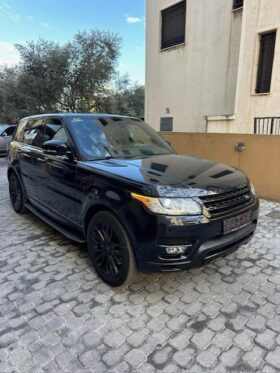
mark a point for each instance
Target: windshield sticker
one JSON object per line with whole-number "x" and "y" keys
{"x": 75, "y": 120}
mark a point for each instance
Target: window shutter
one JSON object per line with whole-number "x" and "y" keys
{"x": 173, "y": 25}
{"x": 266, "y": 57}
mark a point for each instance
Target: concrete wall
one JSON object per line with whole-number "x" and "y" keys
{"x": 260, "y": 159}
{"x": 196, "y": 79}
{"x": 259, "y": 16}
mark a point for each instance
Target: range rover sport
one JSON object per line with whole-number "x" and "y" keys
{"x": 114, "y": 183}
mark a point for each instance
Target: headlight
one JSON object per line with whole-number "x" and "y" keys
{"x": 253, "y": 190}
{"x": 170, "y": 206}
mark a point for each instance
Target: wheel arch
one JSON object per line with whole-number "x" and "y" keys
{"x": 93, "y": 210}
{"x": 14, "y": 168}
{"x": 98, "y": 207}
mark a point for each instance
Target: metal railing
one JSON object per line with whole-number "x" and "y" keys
{"x": 267, "y": 126}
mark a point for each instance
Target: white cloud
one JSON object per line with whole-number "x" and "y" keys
{"x": 6, "y": 12}
{"x": 8, "y": 54}
{"x": 130, "y": 19}
{"x": 45, "y": 24}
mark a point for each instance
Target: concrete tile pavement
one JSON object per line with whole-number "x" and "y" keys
{"x": 57, "y": 316}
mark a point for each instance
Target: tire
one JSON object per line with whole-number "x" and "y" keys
{"x": 110, "y": 250}
{"x": 17, "y": 196}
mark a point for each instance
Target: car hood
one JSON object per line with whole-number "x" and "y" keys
{"x": 173, "y": 175}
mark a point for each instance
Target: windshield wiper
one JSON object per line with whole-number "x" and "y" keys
{"x": 105, "y": 158}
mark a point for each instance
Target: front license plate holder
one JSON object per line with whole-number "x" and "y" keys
{"x": 237, "y": 222}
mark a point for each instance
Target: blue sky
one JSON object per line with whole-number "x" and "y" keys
{"x": 59, "y": 20}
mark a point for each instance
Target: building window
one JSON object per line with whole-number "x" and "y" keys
{"x": 173, "y": 25}
{"x": 166, "y": 124}
{"x": 237, "y": 4}
{"x": 266, "y": 57}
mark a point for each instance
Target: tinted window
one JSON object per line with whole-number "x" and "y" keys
{"x": 61, "y": 135}
{"x": 10, "y": 131}
{"x": 52, "y": 127}
{"x": 34, "y": 133}
{"x": 116, "y": 137}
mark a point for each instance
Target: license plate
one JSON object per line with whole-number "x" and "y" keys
{"x": 238, "y": 222}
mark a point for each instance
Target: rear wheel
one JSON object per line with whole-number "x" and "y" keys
{"x": 17, "y": 196}
{"x": 110, "y": 250}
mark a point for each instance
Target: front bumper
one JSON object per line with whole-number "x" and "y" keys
{"x": 208, "y": 243}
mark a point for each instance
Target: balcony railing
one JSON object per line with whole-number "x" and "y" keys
{"x": 267, "y": 126}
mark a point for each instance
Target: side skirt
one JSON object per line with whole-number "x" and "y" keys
{"x": 65, "y": 232}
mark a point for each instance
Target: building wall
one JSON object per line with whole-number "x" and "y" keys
{"x": 259, "y": 16}
{"x": 198, "y": 79}
{"x": 209, "y": 83}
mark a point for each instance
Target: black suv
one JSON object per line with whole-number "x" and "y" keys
{"x": 113, "y": 182}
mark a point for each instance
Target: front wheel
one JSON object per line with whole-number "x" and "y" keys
{"x": 110, "y": 250}
{"x": 17, "y": 196}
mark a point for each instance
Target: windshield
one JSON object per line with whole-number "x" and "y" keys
{"x": 116, "y": 137}
{"x": 3, "y": 127}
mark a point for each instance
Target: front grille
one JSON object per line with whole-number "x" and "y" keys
{"x": 222, "y": 204}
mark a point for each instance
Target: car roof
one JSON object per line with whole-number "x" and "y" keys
{"x": 69, "y": 115}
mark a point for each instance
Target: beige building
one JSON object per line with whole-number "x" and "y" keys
{"x": 213, "y": 65}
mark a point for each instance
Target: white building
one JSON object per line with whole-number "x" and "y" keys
{"x": 213, "y": 65}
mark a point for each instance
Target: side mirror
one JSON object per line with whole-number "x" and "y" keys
{"x": 4, "y": 134}
{"x": 55, "y": 147}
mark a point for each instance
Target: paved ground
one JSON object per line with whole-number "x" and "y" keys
{"x": 56, "y": 316}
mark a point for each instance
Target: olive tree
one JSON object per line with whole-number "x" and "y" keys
{"x": 78, "y": 76}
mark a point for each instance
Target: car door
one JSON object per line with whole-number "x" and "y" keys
{"x": 56, "y": 188}
{"x": 3, "y": 139}
{"x": 29, "y": 156}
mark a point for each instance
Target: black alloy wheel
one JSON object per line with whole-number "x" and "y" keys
{"x": 110, "y": 250}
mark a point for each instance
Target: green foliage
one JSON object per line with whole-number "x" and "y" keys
{"x": 12, "y": 101}
{"x": 126, "y": 98}
{"x": 43, "y": 71}
{"x": 73, "y": 77}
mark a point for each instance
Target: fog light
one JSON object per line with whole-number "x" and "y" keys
{"x": 177, "y": 250}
